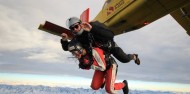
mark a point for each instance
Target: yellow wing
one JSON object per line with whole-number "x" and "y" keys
{"x": 182, "y": 16}
{"x": 127, "y": 15}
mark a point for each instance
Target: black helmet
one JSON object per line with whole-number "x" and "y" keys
{"x": 75, "y": 45}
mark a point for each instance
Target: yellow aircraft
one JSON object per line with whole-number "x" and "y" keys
{"x": 126, "y": 15}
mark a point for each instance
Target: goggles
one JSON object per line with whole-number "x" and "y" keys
{"x": 73, "y": 27}
{"x": 76, "y": 53}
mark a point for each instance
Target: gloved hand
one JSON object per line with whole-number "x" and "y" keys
{"x": 64, "y": 36}
{"x": 86, "y": 26}
{"x": 85, "y": 63}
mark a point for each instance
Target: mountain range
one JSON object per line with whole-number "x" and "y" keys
{"x": 28, "y": 89}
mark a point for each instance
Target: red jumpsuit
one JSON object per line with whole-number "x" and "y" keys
{"x": 102, "y": 74}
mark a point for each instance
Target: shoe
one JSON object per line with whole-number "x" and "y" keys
{"x": 137, "y": 61}
{"x": 102, "y": 86}
{"x": 125, "y": 88}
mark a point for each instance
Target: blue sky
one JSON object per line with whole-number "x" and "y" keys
{"x": 163, "y": 46}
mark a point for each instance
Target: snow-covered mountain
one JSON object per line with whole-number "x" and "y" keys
{"x": 26, "y": 89}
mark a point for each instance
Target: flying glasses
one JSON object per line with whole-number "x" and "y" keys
{"x": 73, "y": 27}
{"x": 76, "y": 53}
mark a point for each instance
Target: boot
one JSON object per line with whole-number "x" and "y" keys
{"x": 125, "y": 88}
{"x": 137, "y": 60}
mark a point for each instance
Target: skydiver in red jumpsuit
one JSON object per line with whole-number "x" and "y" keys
{"x": 104, "y": 65}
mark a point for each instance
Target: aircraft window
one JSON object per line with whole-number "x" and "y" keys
{"x": 106, "y": 3}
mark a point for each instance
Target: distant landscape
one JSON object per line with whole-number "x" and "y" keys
{"x": 27, "y": 89}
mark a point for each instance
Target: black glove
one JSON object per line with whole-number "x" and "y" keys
{"x": 85, "y": 65}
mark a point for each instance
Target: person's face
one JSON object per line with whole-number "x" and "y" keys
{"x": 75, "y": 28}
{"x": 77, "y": 54}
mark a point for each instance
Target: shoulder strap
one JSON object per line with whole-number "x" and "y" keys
{"x": 91, "y": 39}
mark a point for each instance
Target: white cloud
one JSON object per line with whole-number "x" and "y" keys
{"x": 19, "y": 25}
{"x": 13, "y": 35}
{"x": 157, "y": 44}
{"x": 46, "y": 57}
{"x": 16, "y": 36}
